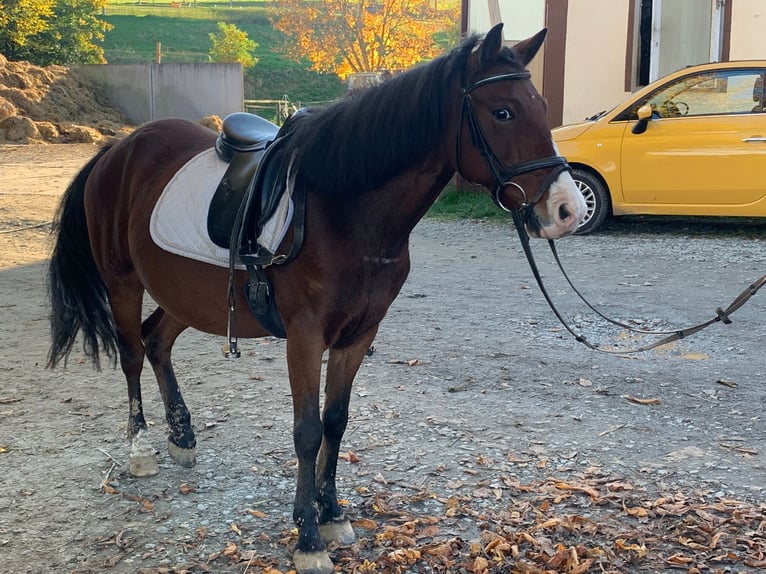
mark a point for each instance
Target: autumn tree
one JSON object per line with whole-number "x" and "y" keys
{"x": 52, "y": 31}
{"x": 230, "y": 44}
{"x": 349, "y": 36}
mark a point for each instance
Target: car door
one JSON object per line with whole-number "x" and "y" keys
{"x": 704, "y": 151}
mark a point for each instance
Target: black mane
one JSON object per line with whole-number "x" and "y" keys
{"x": 358, "y": 143}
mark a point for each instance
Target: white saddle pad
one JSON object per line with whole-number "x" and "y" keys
{"x": 179, "y": 220}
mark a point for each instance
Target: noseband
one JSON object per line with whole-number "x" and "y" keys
{"x": 501, "y": 173}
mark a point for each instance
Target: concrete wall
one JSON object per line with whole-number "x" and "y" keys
{"x": 145, "y": 92}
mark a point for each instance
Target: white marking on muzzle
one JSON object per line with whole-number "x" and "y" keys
{"x": 565, "y": 208}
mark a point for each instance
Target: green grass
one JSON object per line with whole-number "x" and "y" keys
{"x": 183, "y": 32}
{"x": 184, "y": 35}
{"x": 454, "y": 203}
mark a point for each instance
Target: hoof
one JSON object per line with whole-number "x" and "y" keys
{"x": 143, "y": 459}
{"x": 312, "y": 562}
{"x": 338, "y": 531}
{"x": 186, "y": 457}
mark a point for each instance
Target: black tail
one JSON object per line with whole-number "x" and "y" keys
{"x": 78, "y": 296}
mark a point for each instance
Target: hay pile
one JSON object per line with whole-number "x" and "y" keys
{"x": 51, "y": 105}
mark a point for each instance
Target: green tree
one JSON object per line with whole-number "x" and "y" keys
{"x": 52, "y": 31}
{"x": 230, "y": 44}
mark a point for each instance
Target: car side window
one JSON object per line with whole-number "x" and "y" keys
{"x": 710, "y": 93}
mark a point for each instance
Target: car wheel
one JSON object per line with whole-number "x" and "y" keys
{"x": 597, "y": 200}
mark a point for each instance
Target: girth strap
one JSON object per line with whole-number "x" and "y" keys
{"x": 258, "y": 291}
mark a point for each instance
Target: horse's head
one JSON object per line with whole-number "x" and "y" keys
{"x": 504, "y": 142}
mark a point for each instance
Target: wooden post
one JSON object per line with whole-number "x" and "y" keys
{"x": 158, "y": 53}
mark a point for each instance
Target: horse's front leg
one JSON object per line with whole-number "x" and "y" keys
{"x": 304, "y": 364}
{"x": 342, "y": 366}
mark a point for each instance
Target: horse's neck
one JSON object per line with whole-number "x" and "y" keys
{"x": 396, "y": 208}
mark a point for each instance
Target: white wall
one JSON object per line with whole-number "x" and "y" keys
{"x": 594, "y": 71}
{"x": 521, "y": 18}
{"x": 748, "y": 30}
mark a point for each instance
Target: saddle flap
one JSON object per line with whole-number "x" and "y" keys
{"x": 229, "y": 195}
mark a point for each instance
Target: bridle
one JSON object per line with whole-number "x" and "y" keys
{"x": 501, "y": 173}
{"x": 524, "y": 216}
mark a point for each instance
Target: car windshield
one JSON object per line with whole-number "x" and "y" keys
{"x": 594, "y": 117}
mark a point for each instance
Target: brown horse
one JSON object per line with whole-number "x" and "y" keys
{"x": 371, "y": 166}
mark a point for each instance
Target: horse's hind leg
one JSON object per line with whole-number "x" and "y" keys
{"x": 159, "y": 332}
{"x": 126, "y": 298}
{"x": 342, "y": 366}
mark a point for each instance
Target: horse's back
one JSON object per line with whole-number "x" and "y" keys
{"x": 127, "y": 181}
{"x": 161, "y": 146}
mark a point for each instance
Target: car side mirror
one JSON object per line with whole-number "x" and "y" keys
{"x": 644, "y": 114}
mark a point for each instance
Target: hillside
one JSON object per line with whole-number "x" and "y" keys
{"x": 183, "y": 35}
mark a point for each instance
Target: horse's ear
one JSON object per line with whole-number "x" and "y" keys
{"x": 526, "y": 49}
{"x": 491, "y": 45}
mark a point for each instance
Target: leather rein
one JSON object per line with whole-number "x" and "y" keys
{"x": 524, "y": 215}
{"x": 722, "y": 315}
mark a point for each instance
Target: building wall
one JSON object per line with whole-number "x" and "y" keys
{"x": 592, "y": 75}
{"x": 145, "y": 92}
{"x": 748, "y": 30}
{"x": 521, "y": 18}
{"x": 594, "y": 68}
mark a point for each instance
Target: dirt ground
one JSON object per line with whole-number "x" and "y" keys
{"x": 482, "y": 438}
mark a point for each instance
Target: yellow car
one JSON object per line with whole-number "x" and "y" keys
{"x": 691, "y": 143}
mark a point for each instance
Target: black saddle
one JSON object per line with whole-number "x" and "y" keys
{"x": 246, "y": 198}
{"x": 245, "y": 143}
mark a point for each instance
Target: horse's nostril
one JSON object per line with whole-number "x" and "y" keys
{"x": 564, "y": 212}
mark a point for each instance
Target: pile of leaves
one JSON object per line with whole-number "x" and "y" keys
{"x": 593, "y": 524}
{"x": 50, "y": 104}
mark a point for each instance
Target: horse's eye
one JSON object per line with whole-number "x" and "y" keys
{"x": 503, "y": 114}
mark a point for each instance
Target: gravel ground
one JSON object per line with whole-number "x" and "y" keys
{"x": 477, "y": 419}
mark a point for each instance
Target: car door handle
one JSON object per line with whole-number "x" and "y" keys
{"x": 755, "y": 139}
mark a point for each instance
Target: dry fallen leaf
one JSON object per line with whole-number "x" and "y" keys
{"x": 186, "y": 488}
{"x": 366, "y": 524}
{"x": 231, "y": 550}
{"x": 408, "y": 362}
{"x": 350, "y": 456}
{"x": 589, "y": 490}
{"x": 679, "y": 559}
{"x": 725, "y": 383}
{"x": 480, "y": 565}
{"x": 404, "y": 556}
{"x": 638, "y": 401}
{"x": 639, "y": 549}
{"x": 636, "y": 511}
{"x": 107, "y": 488}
